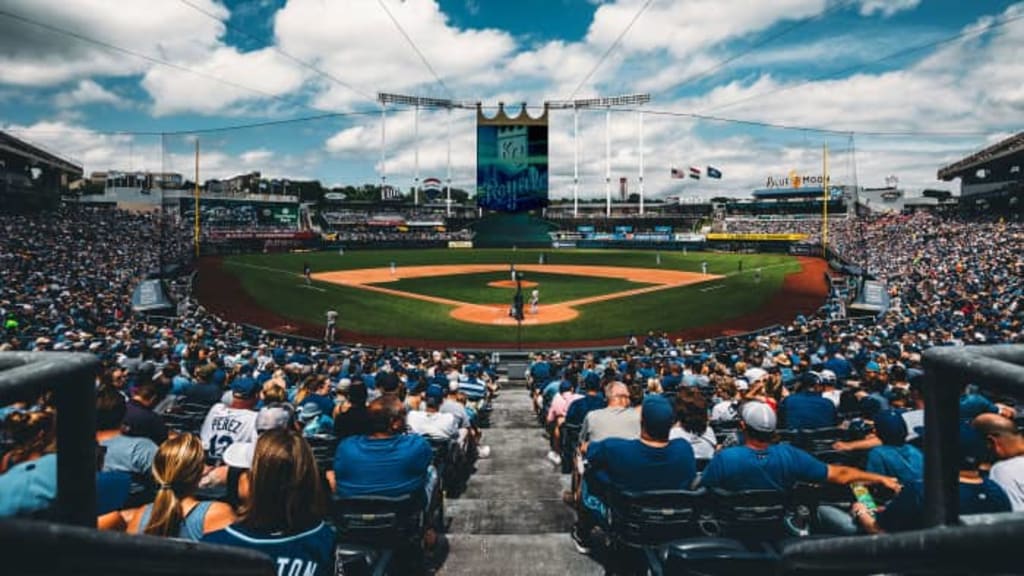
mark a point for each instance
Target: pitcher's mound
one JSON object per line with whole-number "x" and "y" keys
{"x": 497, "y": 314}
{"x": 511, "y": 284}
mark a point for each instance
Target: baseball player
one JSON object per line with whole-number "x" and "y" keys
{"x": 306, "y": 271}
{"x": 657, "y": 258}
{"x": 332, "y": 321}
{"x": 512, "y": 270}
{"x": 534, "y": 300}
{"x": 392, "y": 267}
{"x": 704, "y": 267}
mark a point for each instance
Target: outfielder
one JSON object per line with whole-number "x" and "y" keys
{"x": 534, "y": 300}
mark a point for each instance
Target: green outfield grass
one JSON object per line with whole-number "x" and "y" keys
{"x": 274, "y": 281}
{"x": 473, "y": 288}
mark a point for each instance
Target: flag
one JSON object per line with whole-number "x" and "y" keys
{"x": 714, "y": 173}
{"x": 677, "y": 173}
{"x": 694, "y": 172}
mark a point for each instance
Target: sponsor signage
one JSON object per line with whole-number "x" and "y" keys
{"x": 623, "y": 229}
{"x": 663, "y": 229}
{"x": 759, "y": 237}
{"x": 795, "y": 180}
{"x": 585, "y": 229}
{"x": 334, "y": 196}
{"x": 460, "y": 244}
{"x": 688, "y": 237}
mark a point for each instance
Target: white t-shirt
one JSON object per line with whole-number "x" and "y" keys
{"x": 225, "y": 426}
{"x": 1009, "y": 474}
{"x": 434, "y": 425}
{"x": 703, "y": 445}
{"x": 332, "y": 316}
{"x": 724, "y": 410}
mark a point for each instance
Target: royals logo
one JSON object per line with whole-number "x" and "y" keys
{"x": 513, "y": 144}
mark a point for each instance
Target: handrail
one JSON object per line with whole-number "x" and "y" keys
{"x": 47, "y": 548}
{"x": 26, "y": 375}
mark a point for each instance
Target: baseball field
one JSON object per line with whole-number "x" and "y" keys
{"x": 463, "y": 297}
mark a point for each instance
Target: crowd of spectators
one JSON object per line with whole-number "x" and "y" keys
{"x": 209, "y": 430}
{"x": 201, "y": 422}
{"x": 718, "y": 409}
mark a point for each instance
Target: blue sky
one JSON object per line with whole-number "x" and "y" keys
{"x": 798, "y": 63}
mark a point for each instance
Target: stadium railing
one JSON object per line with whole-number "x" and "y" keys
{"x": 79, "y": 547}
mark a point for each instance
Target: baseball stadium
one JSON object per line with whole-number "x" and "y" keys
{"x": 330, "y": 317}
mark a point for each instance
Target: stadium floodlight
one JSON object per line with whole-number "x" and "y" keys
{"x": 418, "y": 102}
{"x": 607, "y": 103}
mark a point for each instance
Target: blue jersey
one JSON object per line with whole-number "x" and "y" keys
{"x": 309, "y": 553}
{"x": 777, "y": 467}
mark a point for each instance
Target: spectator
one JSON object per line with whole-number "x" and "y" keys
{"x": 122, "y": 453}
{"x": 692, "y": 423}
{"x": 894, "y": 457}
{"x": 176, "y": 513}
{"x": 619, "y": 420}
{"x": 761, "y": 464}
{"x": 140, "y": 419}
{"x": 807, "y": 409}
{"x": 205, "y": 390}
{"x": 1007, "y": 446}
{"x": 652, "y": 462}
{"x": 227, "y": 425}
{"x": 430, "y": 422}
{"x": 283, "y": 514}
{"x": 352, "y": 418}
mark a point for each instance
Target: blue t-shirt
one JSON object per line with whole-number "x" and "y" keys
{"x": 906, "y": 510}
{"x": 806, "y": 410}
{"x": 903, "y": 462}
{"x": 633, "y": 465}
{"x": 778, "y": 467}
{"x": 580, "y": 407}
{"x": 31, "y": 487}
{"x": 309, "y": 553}
{"x": 393, "y": 466}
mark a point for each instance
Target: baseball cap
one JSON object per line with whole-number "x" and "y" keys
{"x": 758, "y": 416}
{"x": 891, "y": 428}
{"x": 972, "y": 448}
{"x": 827, "y": 376}
{"x": 244, "y": 387}
{"x": 239, "y": 455}
{"x": 565, "y": 386}
{"x": 742, "y": 384}
{"x": 752, "y": 375}
{"x": 309, "y": 411}
{"x": 435, "y": 392}
{"x": 657, "y": 416}
{"x": 275, "y": 416}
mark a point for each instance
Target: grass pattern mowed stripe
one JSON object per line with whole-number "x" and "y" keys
{"x": 275, "y": 286}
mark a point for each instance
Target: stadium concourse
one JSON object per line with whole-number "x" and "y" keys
{"x": 221, "y": 433}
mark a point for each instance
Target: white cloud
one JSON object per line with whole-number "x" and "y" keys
{"x": 886, "y": 7}
{"x": 88, "y": 92}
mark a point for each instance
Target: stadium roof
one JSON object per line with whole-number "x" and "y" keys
{"x": 1011, "y": 145}
{"x": 10, "y": 144}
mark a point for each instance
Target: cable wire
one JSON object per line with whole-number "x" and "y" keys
{"x": 275, "y": 48}
{"x": 613, "y": 46}
{"x": 897, "y": 54}
{"x": 416, "y": 48}
{"x": 151, "y": 59}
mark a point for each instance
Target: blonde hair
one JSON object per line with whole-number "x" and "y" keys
{"x": 177, "y": 469}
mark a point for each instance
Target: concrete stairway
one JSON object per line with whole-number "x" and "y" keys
{"x": 511, "y": 519}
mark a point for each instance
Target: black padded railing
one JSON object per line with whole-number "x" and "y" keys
{"x": 71, "y": 377}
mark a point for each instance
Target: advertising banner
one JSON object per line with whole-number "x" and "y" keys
{"x": 663, "y": 229}
{"x": 623, "y": 229}
{"x": 585, "y": 229}
{"x": 758, "y": 237}
{"x": 511, "y": 161}
{"x": 460, "y": 243}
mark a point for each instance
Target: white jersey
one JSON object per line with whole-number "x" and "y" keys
{"x": 535, "y": 296}
{"x": 332, "y": 316}
{"x": 225, "y": 426}
{"x": 1009, "y": 474}
{"x": 433, "y": 425}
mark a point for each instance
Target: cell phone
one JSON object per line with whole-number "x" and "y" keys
{"x": 863, "y": 496}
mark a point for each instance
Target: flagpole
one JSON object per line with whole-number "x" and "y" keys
{"x": 383, "y": 148}
{"x": 416, "y": 137}
{"x": 448, "y": 182}
{"x": 641, "y": 120}
{"x": 575, "y": 162}
{"x": 608, "y": 161}
{"x": 824, "y": 200}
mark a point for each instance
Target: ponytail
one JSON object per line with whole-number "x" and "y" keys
{"x": 177, "y": 469}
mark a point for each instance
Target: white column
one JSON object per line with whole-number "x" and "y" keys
{"x": 383, "y": 148}
{"x": 416, "y": 154}
{"x": 448, "y": 181}
{"x": 608, "y": 162}
{"x": 575, "y": 162}
{"x": 641, "y": 120}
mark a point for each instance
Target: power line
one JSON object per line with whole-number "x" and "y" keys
{"x": 151, "y": 59}
{"x": 230, "y": 128}
{"x": 280, "y": 51}
{"x": 897, "y": 54}
{"x": 613, "y": 46}
{"x": 416, "y": 49}
{"x": 844, "y": 132}
{"x": 764, "y": 42}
